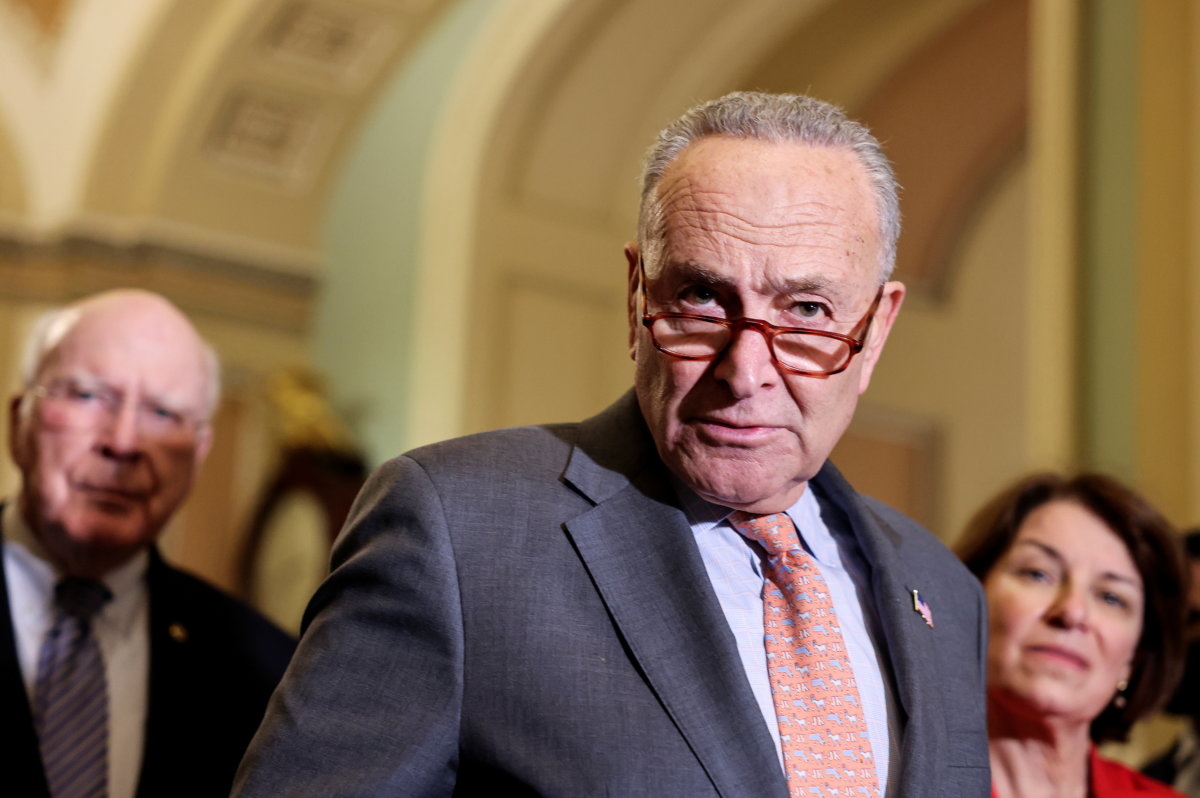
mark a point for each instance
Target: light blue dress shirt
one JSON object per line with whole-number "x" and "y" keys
{"x": 735, "y": 569}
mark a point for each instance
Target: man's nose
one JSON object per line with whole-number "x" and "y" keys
{"x": 746, "y": 364}
{"x": 121, "y": 437}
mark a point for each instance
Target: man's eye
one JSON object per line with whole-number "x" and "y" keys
{"x": 809, "y": 310}
{"x": 78, "y": 394}
{"x": 166, "y": 414}
{"x": 698, "y": 295}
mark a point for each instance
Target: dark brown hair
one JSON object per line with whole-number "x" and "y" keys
{"x": 1154, "y": 547}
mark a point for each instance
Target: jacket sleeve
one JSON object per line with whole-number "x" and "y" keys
{"x": 370, "y": 704}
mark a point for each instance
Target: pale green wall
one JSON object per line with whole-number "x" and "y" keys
{"x": 362, "y": 330}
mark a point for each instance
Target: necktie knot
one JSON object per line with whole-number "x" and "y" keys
{"x": 775, "y": 532}
{"x": 80, "y": 598}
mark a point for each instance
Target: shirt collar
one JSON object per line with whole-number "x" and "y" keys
{"x": 815, "y": 534}
{"x": 703, "y": 514}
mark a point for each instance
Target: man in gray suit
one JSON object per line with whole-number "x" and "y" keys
{"x": 578, "y": 610}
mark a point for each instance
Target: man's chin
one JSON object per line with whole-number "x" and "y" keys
{"x": 749, "y": 495}
{"x": 93, "y": 550}
{"x": 100, "y": 530}
{"x": 748, "y": 484}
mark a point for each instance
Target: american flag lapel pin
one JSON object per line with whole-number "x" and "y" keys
{"x": 922, "y": 606}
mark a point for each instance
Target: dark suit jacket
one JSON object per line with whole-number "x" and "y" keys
{"x": 525, "y": 612}
{"x": 1163, "y": 768}
{"x": 1166, "y": 768}
{"x": 213, "y": 665}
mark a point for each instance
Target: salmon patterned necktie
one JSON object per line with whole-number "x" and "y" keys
{"x": 826, "y": 751}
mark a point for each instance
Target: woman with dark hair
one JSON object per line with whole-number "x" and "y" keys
{"x": 1087, "y": 592}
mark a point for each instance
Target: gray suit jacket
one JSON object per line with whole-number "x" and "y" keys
{"x": 525, "y": 612}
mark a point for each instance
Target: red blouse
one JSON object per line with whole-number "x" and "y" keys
{"x": 1111, "y": 779}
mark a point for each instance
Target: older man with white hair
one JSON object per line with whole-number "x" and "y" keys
{"x": 120, "y": 675}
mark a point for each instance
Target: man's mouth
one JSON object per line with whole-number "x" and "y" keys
{"x": 737, "y": 433}
{"x": 112, "y": 492}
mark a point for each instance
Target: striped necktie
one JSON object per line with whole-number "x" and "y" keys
{"x": 70, "y": 706}
{"x": 822, "y": 732}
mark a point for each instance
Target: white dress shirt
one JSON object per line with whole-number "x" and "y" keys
{"x": 122, "y": 628}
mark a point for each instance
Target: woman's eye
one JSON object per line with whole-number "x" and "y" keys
{"x": 1113, "y": 599}
{"x": 1034, "y": 574}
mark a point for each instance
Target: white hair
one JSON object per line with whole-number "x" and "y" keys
{"x": 775, "y": 118}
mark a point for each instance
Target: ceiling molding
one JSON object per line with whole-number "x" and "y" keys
{"x": 222, "y": 116}
{"x": 75, "y": 266}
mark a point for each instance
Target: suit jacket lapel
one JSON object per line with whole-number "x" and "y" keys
{"x": 166, "y": 722}
{"x": 910, "y": 644}
{"x": 638, "y": 547}
{"x": 24, "y": 775}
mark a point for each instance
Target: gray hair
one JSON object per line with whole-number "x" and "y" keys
{"x": 775, "y": 118}
{"x": 51, "y": 327}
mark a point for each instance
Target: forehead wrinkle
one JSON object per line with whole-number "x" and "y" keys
{"x": 807, "y": 240}
{"x": 693, "y": 271}
{"x": 788, "y": 228}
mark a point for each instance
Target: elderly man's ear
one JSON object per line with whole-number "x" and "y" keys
{"x": 632, "y": 255}
{"x": 204, "y": 439}
{"x": 885, "y": 317}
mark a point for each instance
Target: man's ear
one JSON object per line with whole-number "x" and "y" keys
{"x": 204, "y": 438}
{"x": 881, "y": 326}
{"x": 632, "y": 257}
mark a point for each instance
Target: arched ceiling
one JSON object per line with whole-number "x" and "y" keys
{"x": 213, "y": 126}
